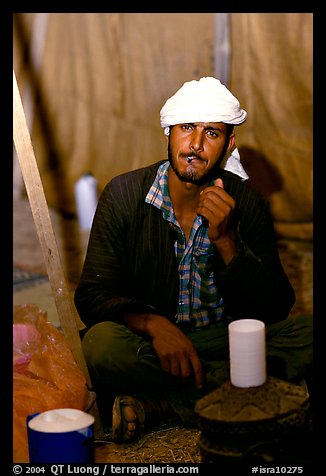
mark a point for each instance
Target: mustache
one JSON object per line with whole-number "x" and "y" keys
{"x": 191, "y": 155}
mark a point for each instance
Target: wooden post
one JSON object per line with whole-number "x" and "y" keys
{"x": 34, "y": 188}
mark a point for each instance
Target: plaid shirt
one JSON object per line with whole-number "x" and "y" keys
{"x": 199, "y": 300}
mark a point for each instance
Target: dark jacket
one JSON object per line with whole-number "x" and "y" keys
{"x": 130, "y": 263}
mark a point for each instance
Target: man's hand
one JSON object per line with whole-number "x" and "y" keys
{"x": 217, "y": 206}
{"x": 177, "y": 354}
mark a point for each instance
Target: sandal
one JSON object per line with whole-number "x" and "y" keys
{"x": 128, "y": 419}
{"x": 128, "y": 416}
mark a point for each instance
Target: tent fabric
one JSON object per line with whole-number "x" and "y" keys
{"x": 272, "y": 73}
{"x": 103, "y": 78}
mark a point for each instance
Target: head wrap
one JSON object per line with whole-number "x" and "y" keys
{"x": 205, "y": 100}
{"x": 233, "y": 164}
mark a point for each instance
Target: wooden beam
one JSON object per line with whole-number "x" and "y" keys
{"x": 34, "y": 188}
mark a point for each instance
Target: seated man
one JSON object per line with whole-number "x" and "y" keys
{"x": 177, "y": 250}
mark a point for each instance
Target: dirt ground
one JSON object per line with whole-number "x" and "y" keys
{"x": 164, "y": 445}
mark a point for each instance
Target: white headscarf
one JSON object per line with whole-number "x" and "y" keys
{"x": 232, "y": 164}
{"x": 205, "y": 100}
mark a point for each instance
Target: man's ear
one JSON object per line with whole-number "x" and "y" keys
{"x": 231, "y": 145}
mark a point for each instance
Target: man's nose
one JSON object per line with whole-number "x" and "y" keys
{"x": 197, "y": 140}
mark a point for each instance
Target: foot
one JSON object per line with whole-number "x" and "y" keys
{"x": 128, "y": 417}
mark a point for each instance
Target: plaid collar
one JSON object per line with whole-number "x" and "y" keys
{"x": 158, "y": 195}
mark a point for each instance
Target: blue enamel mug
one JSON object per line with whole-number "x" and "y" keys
{"x": 63, "y": 435}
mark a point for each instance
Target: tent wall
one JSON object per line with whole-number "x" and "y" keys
{"x": 103, "y": 77}
{"x": 272, "y": 74}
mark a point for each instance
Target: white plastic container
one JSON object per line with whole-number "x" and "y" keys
{"x": 247, "y": 352}
{"x": 86, "y": 197}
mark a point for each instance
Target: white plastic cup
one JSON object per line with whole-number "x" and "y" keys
{"x": 247, "y": 350}
{"x": 86, "y": 200}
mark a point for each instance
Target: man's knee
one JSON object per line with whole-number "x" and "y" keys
{"x": 109, "y": 345}
{"x": 100, "y": 342}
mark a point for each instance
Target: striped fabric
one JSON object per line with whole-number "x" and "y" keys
{"x": 199, "y": 301}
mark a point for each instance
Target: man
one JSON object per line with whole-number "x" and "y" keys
{"x": 177, "y": 250}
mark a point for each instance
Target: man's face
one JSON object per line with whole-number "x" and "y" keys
{"x": 195, "y": 150}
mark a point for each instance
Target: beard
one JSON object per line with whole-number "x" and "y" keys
{"x": 192, "y": 174}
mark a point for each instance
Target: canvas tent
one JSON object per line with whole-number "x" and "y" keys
{"x": 93, "y": 84}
